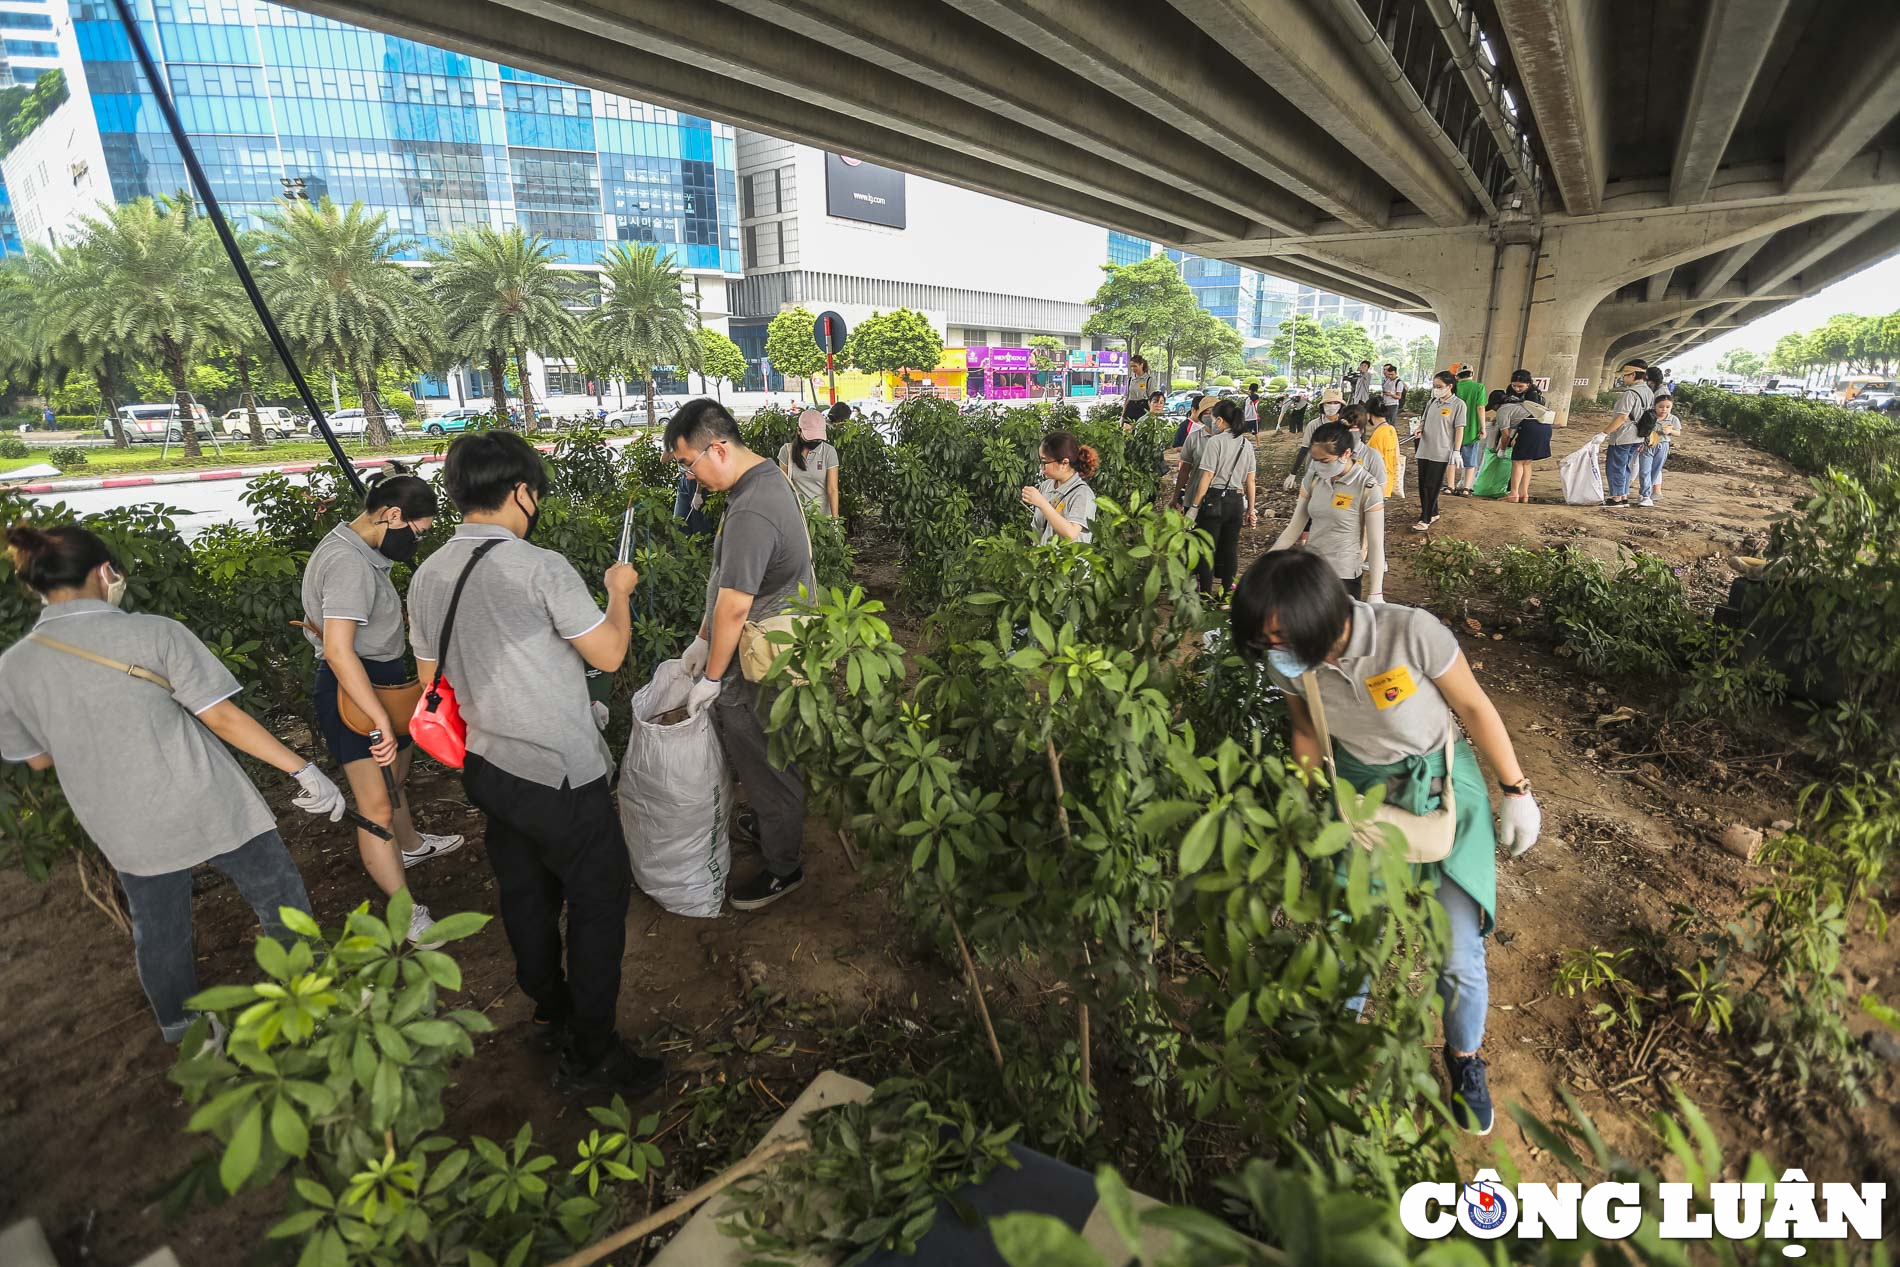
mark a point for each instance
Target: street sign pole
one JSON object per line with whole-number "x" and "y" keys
{"x": 828, "y": 332}
{"x": 831, "y": 377}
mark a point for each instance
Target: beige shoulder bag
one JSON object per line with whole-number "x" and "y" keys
{"x": 1429, "y": 836}
{"x": 757, "y": 650}
{"x": 117, "y": 666}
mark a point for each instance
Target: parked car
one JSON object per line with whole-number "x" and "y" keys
{"x": 454, "y": 421}
{"x": 156, "y": 423}
{"x": 278, "y": 422}
{"x": 354, "y": 422}
{"x": 1795, "y": 390}
{"x": 1873, "y": 399}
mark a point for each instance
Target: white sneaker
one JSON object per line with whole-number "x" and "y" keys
{"x": 1646, "y": 502}
{"x": 419, "y": 926}
{"x": 431, "y": 847}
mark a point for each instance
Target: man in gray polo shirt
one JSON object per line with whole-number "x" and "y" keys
{"x": 526, "y": 630}
{"x": 761, "y": 556}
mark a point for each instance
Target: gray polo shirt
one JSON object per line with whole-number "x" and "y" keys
{"x": 348, "y": 579}
{"x": 521, "y": 685}
{"x": 1636, "y": 400}
{"x": 1336, "y": 513}
{"x": 1505, "y": 417}
{"x": 1196, "y": 443}
{"x": 1442, "y": 429}
{"x": 1074, "y": 501}
{"x": 761, "y": 547}
{"x": 155, "y": 789}
{"x": 1361, "y": 387}
{"x": 810, "y": 481}
{"x": 1231, "y": 458}
{"x": 1381, "y": 703}
{"x": 1374, "y": 461}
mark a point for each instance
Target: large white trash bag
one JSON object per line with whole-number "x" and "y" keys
{"x": 675, "y": 792}
{"x": 1583, "y": 481}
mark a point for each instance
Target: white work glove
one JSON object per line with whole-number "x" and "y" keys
{"x": 599, "y": 710}
{"x": 1193, "y": 514}
{"x": 1290, "y": 483}
{"x": 693, "y": 659}
{"x": 701, "y": 697}
{"x": 1519, "y": 823}
{"x": 319, "y": 796}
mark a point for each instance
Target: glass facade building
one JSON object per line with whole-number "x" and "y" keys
{"x": 1225, "y": 289}
{"x": 437, "y": 141}
{"x": 1123, "y": 249}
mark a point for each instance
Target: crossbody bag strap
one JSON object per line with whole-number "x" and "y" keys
{"x": 798, "y": 504}
{"x": 1310, "y": 680}
{"x": 455, "y": 601}
{"x": 117, "y": 666}
{"x": 1234, "y": 476}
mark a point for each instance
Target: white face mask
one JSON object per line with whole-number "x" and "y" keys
{"x": 115, "y": 588}
{"x": 1329, "y": 410}
{"x": 1441, "y": 391}
{"x": 1327, "y": 470}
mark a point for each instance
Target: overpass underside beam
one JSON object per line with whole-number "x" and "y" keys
{"x": 1527, "y": 301}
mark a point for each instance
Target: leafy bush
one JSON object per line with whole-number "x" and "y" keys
{"x": 67, "y": 456}
{"x": 1814, "y": 435}
{"x": 13, "y": 447}
{"x": 333, "y": 1072}
{"x": 1036, "y": 786}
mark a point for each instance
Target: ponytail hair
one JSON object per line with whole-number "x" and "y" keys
{"x": 1228, "y": 410}
{"x": 397, "y": 485}
{"x": 1060, "y": 446}
{"x": 60, "y": 558}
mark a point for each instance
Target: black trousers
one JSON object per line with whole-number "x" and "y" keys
{"x": 1221, "y": 513}
{"x": 1353, "y": 586}
{"x": 555, "y": 847}
{"x": 1431, "y": 482}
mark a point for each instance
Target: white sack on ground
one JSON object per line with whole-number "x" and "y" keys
{"x": 1583, "y": 481}
{"x": 675, "y": 794}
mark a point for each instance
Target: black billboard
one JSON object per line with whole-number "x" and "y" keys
{"x": 857, "y": 190}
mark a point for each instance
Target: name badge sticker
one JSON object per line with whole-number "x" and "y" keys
{"x": 1341, "y": 500}
{"x": 1394, "y": 686}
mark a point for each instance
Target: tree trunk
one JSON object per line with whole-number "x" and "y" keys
{"x": 375, "y": 430}
{"x": 249, "y": 398}
{"x": 498, "y": 386}
{"x": 527, "y": 390}
{"x": 187, "y": 419}
{"x": 108, "y": 401}
{"x": 647, "y": 382}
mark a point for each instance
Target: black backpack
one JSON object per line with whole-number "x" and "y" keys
{"x": 1646, "y": 424}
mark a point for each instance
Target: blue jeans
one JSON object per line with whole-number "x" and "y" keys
{"x": 160, "y": 907}
{"x": 1463, "y": 982}
{"x": 1621, "y": 464}
{"x": 1473, "y": 455}
{"x": 1650, "y": 466}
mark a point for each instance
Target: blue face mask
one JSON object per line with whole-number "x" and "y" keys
{"x": 1285, "y": 663}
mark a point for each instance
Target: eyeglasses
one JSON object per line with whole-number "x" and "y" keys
{"x": 688, "y": 466}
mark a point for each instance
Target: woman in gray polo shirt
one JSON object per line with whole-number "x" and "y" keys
{"x": 1441, "y": 428}
{"x": 1064, "y": 503}
{"x": 812, "y": 464}
{"x": 128, "y": 710}
{"x": 353, "y": 618}
{"x": 1341, "y": 511}
{"x": 1394, "y": 683}
{"x": 1224, "y": 494}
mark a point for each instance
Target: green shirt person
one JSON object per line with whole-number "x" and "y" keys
{"x": 1471, "y": 447}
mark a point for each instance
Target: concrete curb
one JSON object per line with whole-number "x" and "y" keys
{"x": 201, "y": 477}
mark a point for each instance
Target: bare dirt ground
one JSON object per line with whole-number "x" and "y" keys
{"x": 90, "y": 1131}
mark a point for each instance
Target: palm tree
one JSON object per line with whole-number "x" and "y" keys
{"x": 149, "y": 278}
{"x": 498, "y": 292}
{"x": 645, "y": 317}
{"x": 333, "y": 281}
{"x": 39, "y": 294}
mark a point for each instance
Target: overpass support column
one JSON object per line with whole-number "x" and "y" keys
{"x": 1515, "y": 296}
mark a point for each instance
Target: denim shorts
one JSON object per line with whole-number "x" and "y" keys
{"x": 345, "y": 744}
{"x": 1473, "y": 454}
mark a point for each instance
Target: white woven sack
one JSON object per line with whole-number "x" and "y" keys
{"x": 675, "y": 794}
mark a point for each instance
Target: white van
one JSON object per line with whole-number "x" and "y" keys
{"x": 277, "y": 422}
{"x": 156, "y": 422}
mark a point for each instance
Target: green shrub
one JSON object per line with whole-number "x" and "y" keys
{"x": 1812, "y": 434}
{"x": 11, "y": 446}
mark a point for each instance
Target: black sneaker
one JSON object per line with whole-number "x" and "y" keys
{"x": 622, "y": 1071}
{"x": 545, "y": 1035}
{"x": 763, "y": 889}
{"x": 1470, "y": 1093}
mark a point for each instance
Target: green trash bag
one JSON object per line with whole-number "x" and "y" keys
{"x": 1494, "y": 477}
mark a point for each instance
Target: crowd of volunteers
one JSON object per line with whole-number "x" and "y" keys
{"x": 1379, "y": 694}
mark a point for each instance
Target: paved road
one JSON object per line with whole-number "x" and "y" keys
{"x": 217, "y": 502}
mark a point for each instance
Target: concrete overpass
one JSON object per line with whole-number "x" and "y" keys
{"x": 1558, "y": 182}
